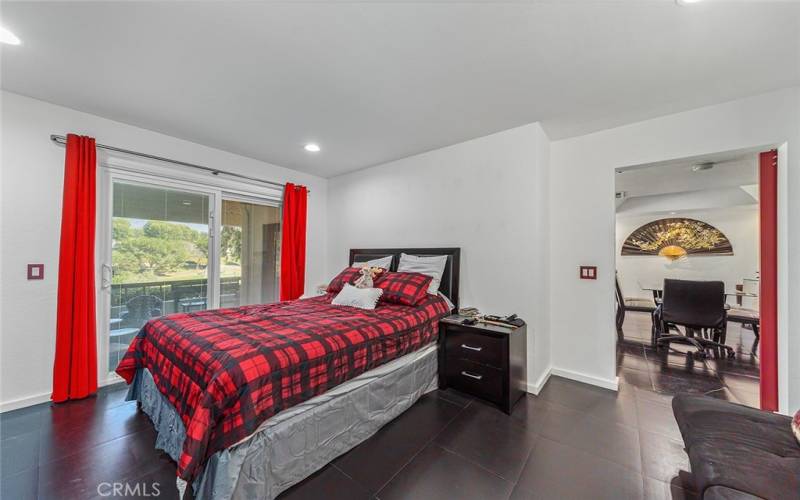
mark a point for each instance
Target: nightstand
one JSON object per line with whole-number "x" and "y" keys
{"x": 485, "y": 361}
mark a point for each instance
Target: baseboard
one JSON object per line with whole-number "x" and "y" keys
{"x": 536, "y": 387}
{"x": 16, "y": 404}
{"x": 533, "y": 388}
{"x": 612, "y": 384}
{"x": 112, "y": 379}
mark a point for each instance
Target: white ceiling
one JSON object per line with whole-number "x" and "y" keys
{"x": 671, "y": 187}
{"x": 731, "y": 170}
{"x": 376, "y": 81}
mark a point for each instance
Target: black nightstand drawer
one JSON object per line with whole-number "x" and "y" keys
{"x": 484, "y": 360}
{"x": 473, "y": 378}
{"x": 477, "y": 347}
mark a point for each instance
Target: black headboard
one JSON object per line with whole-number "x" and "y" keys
{"x": 450, "y": 277}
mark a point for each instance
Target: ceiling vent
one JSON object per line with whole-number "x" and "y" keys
{"x": 700, "y": 167}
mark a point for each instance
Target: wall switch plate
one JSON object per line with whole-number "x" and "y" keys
{"x": 588, "y": 272}
{"x": 35, "y": 271}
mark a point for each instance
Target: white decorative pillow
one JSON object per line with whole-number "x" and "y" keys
{"x": 363, "y": 298}
{"x": 384, "y": 262}
{"x": 431, "y": 266}
{"x": 450, "y": 304}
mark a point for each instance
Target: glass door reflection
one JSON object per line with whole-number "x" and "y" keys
{"x": 249, "y": 250}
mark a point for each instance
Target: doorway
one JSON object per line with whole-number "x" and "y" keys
{"x": 697, "y": 219}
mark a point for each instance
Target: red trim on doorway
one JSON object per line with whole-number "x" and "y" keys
{"x": 768, "y": 295}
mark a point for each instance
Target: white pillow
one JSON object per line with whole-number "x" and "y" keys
{"x": 384, "y": 262}
{"x": 363, "y": 298}
{"x": 431, "y": 266}
{"x": 450, "y": 304}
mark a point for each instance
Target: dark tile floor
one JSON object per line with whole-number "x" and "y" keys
{"x": 572, "y": 441}
{"x": 676, "y": 370}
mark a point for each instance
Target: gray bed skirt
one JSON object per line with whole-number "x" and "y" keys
{"x": 296, "y": 442}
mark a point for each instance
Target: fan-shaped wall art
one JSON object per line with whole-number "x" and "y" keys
{"x": 676, "y": 238}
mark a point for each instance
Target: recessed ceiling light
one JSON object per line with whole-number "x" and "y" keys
{"x": 684, "y": 2}
{"x": 6, "y": 36}
{"x": 311, "y": 147}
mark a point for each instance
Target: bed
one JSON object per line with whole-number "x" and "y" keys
{"x": 250, "y": 401}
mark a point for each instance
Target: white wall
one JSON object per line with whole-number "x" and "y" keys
{"x": 739, "y": 225}
{"x": 487, "y": 196}
{"x": 582, "y": 221}
{"x": 495, "y": 197}
{"x": 32, "y": 176}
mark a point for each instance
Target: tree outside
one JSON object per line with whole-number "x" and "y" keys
{"x": 167, "y": 251}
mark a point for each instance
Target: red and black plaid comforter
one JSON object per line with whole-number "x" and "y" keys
{"x": 227, "y": 370}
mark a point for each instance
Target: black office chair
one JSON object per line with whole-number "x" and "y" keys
{"x": 698, "y": 306}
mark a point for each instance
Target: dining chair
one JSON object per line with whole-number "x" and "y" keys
{"x": 620, "y": 319}
{"x": 628, "y": 304}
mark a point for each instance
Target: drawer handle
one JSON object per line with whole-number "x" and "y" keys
{"x": 472, "y": 375}
{"x": 465, "y": 346}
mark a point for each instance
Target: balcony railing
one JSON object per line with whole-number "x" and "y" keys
{"x": 174, "y": 296}
{"x": 158, "y": 298}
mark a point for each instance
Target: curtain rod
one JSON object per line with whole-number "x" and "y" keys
{"x": 60, "y": 139}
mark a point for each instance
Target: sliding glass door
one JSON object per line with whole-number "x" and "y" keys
{"x": 249, "y": 249}
{"x": 164, "y": 250}
{"x": 159, "y": 258}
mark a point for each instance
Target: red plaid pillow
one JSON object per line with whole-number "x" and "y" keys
{"x": 349, "y": 275}
{"x": 403, "y": 288}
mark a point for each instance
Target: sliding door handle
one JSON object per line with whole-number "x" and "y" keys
{"x": 106, "y": 272}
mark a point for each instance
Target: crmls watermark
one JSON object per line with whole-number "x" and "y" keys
{"x": 129, "y": 489}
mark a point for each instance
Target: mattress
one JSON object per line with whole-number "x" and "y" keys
{"x": 298, "y": 441}
{"x": 226, "y": 371}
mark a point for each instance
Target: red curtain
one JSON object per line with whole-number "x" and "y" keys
{"x": 768, "y": 294}
{"x": 75, "y": 367}
{"x": 293, "y": 241}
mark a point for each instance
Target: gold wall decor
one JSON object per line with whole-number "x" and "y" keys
{"x": 676, "y": 238}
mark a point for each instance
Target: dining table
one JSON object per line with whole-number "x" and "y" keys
{"x": 658, "y": 293}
